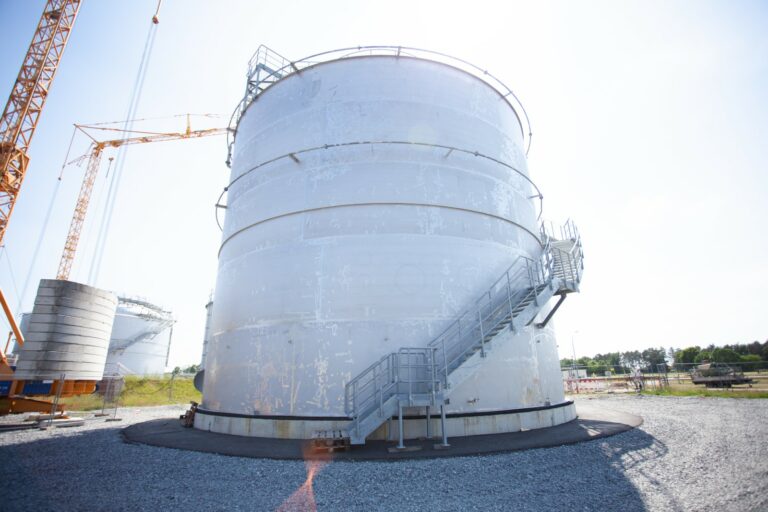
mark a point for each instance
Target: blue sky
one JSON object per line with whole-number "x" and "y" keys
{"x": 649, "y": 120}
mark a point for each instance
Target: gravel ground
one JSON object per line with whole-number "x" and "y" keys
{"x": 690, "y": 454}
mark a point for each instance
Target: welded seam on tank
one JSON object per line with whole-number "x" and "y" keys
{"x": 292, "y": 156}
{"x": 90, "y": 309}
{"x": 100, "y": 338}
{"x": 331, "y": 207}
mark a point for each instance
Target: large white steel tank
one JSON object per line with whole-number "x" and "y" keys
{"x": 141, "y": 338}
{"x": 371, "y": 199}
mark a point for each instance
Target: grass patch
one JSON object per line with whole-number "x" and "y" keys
{"x": 704, "y": 392}
{"x": 142, "y": 391}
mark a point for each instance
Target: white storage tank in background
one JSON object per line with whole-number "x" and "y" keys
{"x": 207, "y": 332}
{"x": 141, "y": 338}
{"x": 373, "y": 198}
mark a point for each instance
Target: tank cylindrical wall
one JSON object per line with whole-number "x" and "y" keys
{"x": 67, "y": 332}
{"x": 140, "y": 339}
{"x": 331, "y": 259}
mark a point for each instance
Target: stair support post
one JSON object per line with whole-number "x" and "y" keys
{"x": 428, "y": 436}
{"x": 442, "y": 427}
{"x": 400, "y": 444}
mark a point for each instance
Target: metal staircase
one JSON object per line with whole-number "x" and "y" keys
{"x": 424, "y": 376}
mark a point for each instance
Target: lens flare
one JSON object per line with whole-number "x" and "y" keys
{"x": 304, "y": 497}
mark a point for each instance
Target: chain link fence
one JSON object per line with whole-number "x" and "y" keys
{"x": 617, "y": 378}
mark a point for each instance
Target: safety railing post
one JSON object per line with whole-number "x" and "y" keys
{"x": 482, "y": 334}
{"x": 433, "y": 372}
{"x": 509, "y": 304}
{"x": 445, "y": 363}
{"x": 378, "y": 389}
{"x": 354, "y": 399}
{"x": 410, "y": 378}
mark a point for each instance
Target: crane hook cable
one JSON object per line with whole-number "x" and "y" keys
{"x": 44, "y": 228}
{"x": 106, "y": 218}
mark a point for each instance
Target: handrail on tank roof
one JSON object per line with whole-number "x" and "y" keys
{"x": 143, "y": 302}
{"x": 267, "y": 59}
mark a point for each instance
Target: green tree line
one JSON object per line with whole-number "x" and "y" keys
{"x": 754, "y": 354}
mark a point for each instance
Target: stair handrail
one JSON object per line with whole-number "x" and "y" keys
{"x": 520, "y": 283}
{"x": 462, "y": 334}
{"x": 574, "y": 257}
{"x": 381, "y": 370}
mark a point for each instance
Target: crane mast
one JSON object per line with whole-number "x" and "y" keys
{"x": 19, "y": 120}
{"x": 94, "y": 159}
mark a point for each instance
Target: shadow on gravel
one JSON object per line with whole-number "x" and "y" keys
{"x": 95, "y": 470}
{"x": 586, "y": 476}
{"x": 632, "y": 452}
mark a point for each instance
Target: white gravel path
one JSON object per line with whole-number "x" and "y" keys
{"x": 690, "y": 454}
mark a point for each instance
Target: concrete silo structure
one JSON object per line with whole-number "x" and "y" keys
{"x": 382, "y": 256}
{"x": 140, "y": 339}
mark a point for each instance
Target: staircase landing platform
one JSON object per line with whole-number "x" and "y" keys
{"x": 593, "y": 422}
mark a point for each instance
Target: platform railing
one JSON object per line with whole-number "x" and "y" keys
{"x": 267, "y": 67}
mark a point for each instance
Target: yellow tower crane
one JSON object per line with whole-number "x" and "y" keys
{"x": 64, "y": 388}
{"x": 19, "y": 119}
{"x": 94, "y": 159}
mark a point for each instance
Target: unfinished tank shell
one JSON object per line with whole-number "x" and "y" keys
{"x": 67, "y": 332}
{"x": 374, "y": 197}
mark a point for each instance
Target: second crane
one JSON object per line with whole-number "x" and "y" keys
{"x": 92, "y": 169}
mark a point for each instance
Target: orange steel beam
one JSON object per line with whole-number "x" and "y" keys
{"x": 14, "y": 328}
{"x": 19, "y": 119}
{"x": 8, "y": 341}
{"x": 83, "y": 200}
